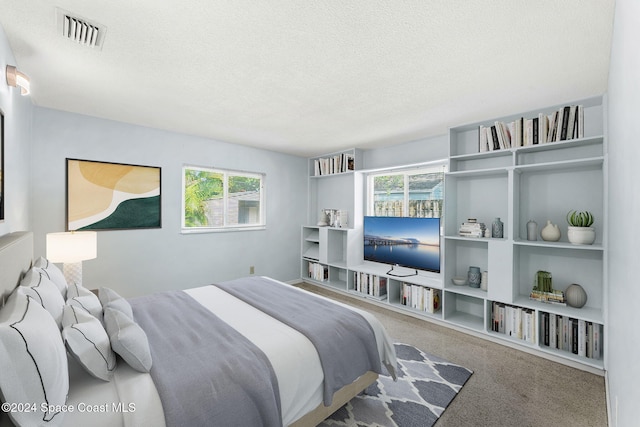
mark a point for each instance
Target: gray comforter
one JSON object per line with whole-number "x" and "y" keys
{"x": 205, "y": 371}
{"x": 343, "y": 339}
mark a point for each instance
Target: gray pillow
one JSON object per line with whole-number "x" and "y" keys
{"x": 128, "y": 339}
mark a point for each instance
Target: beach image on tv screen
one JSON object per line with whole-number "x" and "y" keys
{"x": 408, "y": 242}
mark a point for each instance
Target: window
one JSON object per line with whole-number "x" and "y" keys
{"x": 414, "y": 193}
{"x": 217, "y": 199}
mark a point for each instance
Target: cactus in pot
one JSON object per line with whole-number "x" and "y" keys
{"x": 580, "y": 231}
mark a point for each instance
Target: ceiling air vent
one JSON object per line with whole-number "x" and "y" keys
{"x": 80, "y": 30}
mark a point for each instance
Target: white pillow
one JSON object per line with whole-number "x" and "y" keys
{"x": 109, "y": 296}
{"x": 37, "y": 285}
{"x": 54, "y": 273}
{"x": 79, "y": 296}
{"x": 128, "y": 339}
{"x": 88, "y": 342}
{"x": 34, "y": 362}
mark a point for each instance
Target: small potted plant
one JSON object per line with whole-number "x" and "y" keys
{"x": 580, "y": 231}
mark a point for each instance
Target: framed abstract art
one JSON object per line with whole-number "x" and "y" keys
{"x": 112, "y": 196}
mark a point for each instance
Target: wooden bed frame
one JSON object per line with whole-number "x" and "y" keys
{"x": 340, "y": 397}
{"x": 16, "y": 255}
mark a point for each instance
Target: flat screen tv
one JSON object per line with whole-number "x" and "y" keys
{"x": 407, "y": 242}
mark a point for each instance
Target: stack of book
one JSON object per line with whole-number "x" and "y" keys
{"x": 420, "y": 298}
{"x": 370, "y": 284}
{"x": 515, "y": 322}
{"x": 564, "y": 124}
{"x": 339, "y": 163}
{"x": 573, "y": 335}
{"x": 318, "y": 271}
{"x": 553, "y": 297}
{"x": 471, "y": 228}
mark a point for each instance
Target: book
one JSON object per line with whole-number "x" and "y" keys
{"x": 564, "y": 123}
{"x": 597, "y": 349}
{"x": 571, "y": 122}
{"x": 543, "y": 128}
{"x": 494, "y": 138}
{"x": 553, "y": 331}
{"x": 546, "y": 329}
{"x": 519, "y": 132}
{"x": 580, "y": 122}
{"x": 574, "y": 336}
{"x": 472, "y": 229}
{"x": 482, "y": 140}
{"x": 553, "y": 123}
{"x": 528, "y": 133}
{"x": 500, "y": 135}
{"x": 582, "y": 338}
{"x": 553, "y": 297}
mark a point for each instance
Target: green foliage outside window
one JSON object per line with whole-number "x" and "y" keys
{"x": 205, "y": 198}
{"x": 200, "y": 186}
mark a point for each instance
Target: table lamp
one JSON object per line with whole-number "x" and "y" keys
{"x": 71, "y": 248}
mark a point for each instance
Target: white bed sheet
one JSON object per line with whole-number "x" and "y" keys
{"x": 130, "y": 399}
{"x": 293, "y": 357}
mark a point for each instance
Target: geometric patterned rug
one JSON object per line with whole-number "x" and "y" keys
{"x": 426, "y": 386}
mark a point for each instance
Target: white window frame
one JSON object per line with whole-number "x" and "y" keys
{"x": 435, "y": 167}
{"x": 261, "y": 225}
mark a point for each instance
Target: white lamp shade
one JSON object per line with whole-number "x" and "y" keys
{"x": 72, "y": 247}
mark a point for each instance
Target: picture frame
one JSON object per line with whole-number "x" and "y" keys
{"x": 112, "y": 196}
{"x": 2, "y": 168}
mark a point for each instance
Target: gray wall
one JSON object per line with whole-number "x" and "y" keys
{"x": 624, "y": 209}
{"x": 17, "y": 135}
{"x": 141, "y": 261}
{"x": 423, "y": 150}
{"x": 164, "y": 258}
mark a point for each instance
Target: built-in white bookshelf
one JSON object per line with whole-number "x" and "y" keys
{"x": 536, "y": 182}
{"x": 517, "y": 184}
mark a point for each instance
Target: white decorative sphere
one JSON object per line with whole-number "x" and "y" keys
{"x": 575, "y": 295}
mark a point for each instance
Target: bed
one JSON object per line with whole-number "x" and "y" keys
{"x": 307, "y": 385}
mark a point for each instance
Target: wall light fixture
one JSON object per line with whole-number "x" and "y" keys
{"x": 17, "y": 78}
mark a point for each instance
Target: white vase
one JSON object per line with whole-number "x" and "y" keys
{"x": 581, "y": 235}
{"x": 550, "y": 232}
{"x": 532, "y": 230}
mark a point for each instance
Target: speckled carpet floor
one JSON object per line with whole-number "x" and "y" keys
{"x": 425, "y": 387}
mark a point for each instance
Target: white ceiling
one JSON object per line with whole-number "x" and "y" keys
{"x": 312, "y": 77}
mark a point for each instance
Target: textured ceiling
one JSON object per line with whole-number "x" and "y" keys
{"x": 310, "y": 77}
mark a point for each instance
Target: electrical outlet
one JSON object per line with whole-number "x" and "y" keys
{"x": 252, "y": 270}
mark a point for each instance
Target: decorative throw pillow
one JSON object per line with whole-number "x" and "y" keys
{"x": 128, "y": 339}
{"x": 88, "y": 342}
{"x": 34, "y": 362}
{"x": 37, "y": 285}
{"x": 107, "y": 295}
{"x": 54, "y": 273}
{"x": 110, "y": 297}
{"x": 79, "y": 296}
